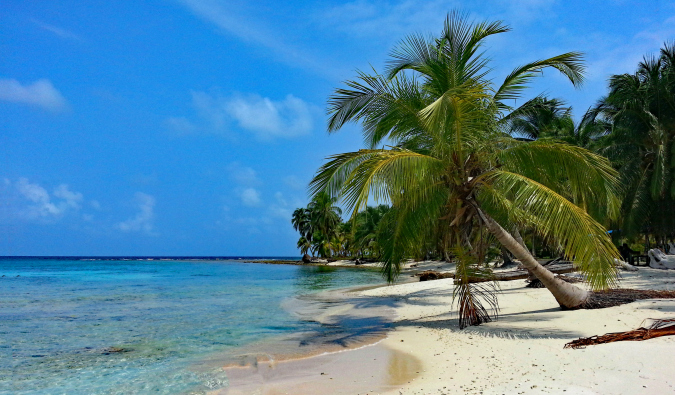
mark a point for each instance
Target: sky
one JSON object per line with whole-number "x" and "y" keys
{"x": 192, "y": 127}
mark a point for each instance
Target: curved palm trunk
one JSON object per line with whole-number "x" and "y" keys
{"x": 567, "y": 295}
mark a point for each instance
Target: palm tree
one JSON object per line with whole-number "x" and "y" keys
{"x": 453, "y": 168}
{"x": 318, "y": 225}
{"x": 304, "y": 245}
{"x": 367, "y": 233}
{"x": 549, "y": 118}
{"x": 301, "y": 221}
{"x": 324, "y": 214}
{"x": 642, "y": 143}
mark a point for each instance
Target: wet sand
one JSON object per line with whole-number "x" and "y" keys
{"x": 369, "y": 369}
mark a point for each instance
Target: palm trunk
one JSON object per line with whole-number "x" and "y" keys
{"x": 567, "y": 295}
{"x": 516, "y": 235}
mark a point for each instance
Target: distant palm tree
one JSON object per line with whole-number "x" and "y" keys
{"x": 642, "y": 143}
{"x": 550, "y": 118}
{"x": 304, "y": 245}
{"x": 318, "y": 224}
{"x": 368, "y": 224}
{"x": 324, "y": 215}
{"x": 452, "y": 167}
{"x": 301, "y": 221}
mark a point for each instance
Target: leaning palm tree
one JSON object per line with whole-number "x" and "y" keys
{"x": 451, "y": 166}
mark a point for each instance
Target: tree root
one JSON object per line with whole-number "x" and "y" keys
{"x": 657, "y": 328}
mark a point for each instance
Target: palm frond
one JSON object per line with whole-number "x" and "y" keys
{"x": 585, "y": 177}
{"x": 469, "y": 294}
{"x": 583, "y": 239}
{"x": 381, "y": 174}
{"x": 570, "y": 64}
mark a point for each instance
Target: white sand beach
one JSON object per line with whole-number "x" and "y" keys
{"x": 520, "y": 353}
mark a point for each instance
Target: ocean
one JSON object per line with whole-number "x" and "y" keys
{"x": 138, "y": 326}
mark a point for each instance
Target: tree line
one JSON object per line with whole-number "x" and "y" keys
{"x": 324, "y": 233}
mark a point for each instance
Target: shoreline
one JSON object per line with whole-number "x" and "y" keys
{"x": 521, "y": 352}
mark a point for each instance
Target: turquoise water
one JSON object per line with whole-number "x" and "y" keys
{"x": 137, "y": 327}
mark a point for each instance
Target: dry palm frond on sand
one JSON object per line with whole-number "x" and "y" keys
{"x": 657, "y": 328}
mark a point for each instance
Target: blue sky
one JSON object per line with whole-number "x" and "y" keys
{"x": 193, "y": 127}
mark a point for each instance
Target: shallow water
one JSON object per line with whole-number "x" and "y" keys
{"x": 136, "y": 327}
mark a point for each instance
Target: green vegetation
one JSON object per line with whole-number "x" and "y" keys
{"x": 323, "y": 232}
{"x": 465, "y": 172}
{"x": 641, "y": 107}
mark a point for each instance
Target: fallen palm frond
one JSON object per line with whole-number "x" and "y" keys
{"x": 616, "y": 297}
{"x": 658, "y": 328}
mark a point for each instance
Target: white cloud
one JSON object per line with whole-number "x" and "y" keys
{"x": 265, "y": 118}
{"x": 35, "y": 193}
{"x": 249, "y": 28}
{"x": 268, "y": 119}
{"x": 616, "y": 55}
{"x": 70, "y": 198}
{"x": 41, "y": 203}
{"x": 63, "y": 33}
{"x": 250, "y": 197}
{"x": 40, "y": 93}
{"x": 280, "y": 209}
{"x": 283, "y": 208}
{"x": 242, "y": 174}
{"x": 181, "y": 125}
{"x": 143, "y": 221}
{"x": 293, "y": 182}
{"x": 393, "y": 20}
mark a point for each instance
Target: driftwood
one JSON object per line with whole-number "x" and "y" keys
{"x": 509, "y": 275}
{"x": 520, "y": 275}
{"x": 433, "y": 275}
{"x": 657, "y": 328}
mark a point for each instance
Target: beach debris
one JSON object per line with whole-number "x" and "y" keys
{"x": 114, "y": 350}
{"x": 625, "y": 266}
{"x": 433, "y": 275}
{"x": 616, "y": 297}
{"x": 657, "y": 328}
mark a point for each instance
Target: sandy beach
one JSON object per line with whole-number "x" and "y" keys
{"x": 522, "y": 352}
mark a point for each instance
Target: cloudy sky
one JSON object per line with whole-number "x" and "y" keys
{"x": 193, "y": 127}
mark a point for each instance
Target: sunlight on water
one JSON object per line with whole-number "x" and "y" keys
{"x": 135, "y": 327}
